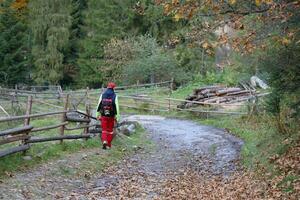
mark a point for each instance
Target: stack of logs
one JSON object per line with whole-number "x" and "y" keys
{"x": 216, "y": 95}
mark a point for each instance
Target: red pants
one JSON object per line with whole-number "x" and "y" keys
{"x": 107, "y": 124}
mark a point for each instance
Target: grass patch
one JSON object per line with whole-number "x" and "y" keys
{"x": 42, "y": 152}
{"x": 261, "y": 139}
{"x": 213, "y": 149}
{"x": 122, "y": 146}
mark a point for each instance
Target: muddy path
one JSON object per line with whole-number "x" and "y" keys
{"x": 181, "y": 146}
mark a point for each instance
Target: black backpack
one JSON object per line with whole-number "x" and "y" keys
{"x": 107, "y": 106}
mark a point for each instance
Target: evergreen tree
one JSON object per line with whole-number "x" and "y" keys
{"x": 76, "y": 34}
{"x": 50, "y": 25}
{"x": 14, "y": 47}
{"x": 103, "y": 20}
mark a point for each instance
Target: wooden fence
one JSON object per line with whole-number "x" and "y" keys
{"x": 61, "y": 102}
{"x": 81, "y": 102}
{"x": 23, "y": 134}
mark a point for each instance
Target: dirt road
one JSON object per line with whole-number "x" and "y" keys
{"x": 181, "y": 148}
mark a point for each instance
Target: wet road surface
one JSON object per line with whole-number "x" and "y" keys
{"x": 180, "y": 146}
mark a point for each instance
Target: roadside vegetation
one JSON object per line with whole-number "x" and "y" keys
{"x": 44, "y": 152}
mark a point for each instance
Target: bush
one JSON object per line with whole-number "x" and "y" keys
{"x": 227, "y": 77}
{"x": 151, "y": 63}
{"x": 283, "y": 67}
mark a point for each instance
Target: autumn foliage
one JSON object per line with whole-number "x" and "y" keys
{"x": 19, "y": 4}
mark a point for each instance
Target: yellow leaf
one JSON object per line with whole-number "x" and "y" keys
{"x": 258, "y": 2}
{"x": 285, "y": 41}
{"x": 232, "y": 2}
{"x": 268, "y": 1}
{"x": 167, "y": 8}
{"x": 178, "y": 16}
{"x": 205, "y": 45}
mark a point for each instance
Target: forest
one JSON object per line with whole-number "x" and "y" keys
{"x": 86, "y": 43}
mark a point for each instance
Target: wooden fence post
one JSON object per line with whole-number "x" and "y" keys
{"x": 137, "y": 86}
{"x": 172, "y": 86}
{"x": 27, "y": 120}
{"x": 87, "y": 110}
{"x": 170, "y": 92}
{"x": 59, "y": 91}
{"x": 28, "y": 110}
{"x": 64, "y": 117}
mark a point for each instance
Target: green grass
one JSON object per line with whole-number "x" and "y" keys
{"x": 213, "y": 149}
{"x": 261, "y": 139}
{"x": 42, "y": 152}
{"x": 121, "y": 146}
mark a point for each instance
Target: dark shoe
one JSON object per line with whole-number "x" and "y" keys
{"x": 104, "y": 146}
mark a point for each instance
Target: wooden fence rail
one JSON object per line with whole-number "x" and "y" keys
{"x": 22, "y": 134}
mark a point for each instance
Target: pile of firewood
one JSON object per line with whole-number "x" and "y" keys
{"x": 217, "y": 95}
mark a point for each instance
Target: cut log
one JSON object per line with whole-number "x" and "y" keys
{"x": 212, "y": 100}
{"x": 227, "y": 90}
{"x": 16, "y": 131}
{"x": 206, "y": 87}
{"x": 191, "y": 97}
{"x": 199, "y": 97}
{"x": 208, "y": 95}
{"x": 14, "y": 150}
{"x": 14, "y": 139}
{"x": 243, "y": 92}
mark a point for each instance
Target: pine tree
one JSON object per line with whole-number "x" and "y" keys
{"x": 76, "y": 34}
{"x": 50, "y": 25}
{"x": 103, "y": 20}
{"x": 14, "y": 47}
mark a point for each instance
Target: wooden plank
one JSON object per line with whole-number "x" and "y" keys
{"x": 195, "y": 102}
{"x": 5, "y": 119}
{"x": 200, "y": 103}
{"x": 49, "y": 127}
{"x": 62, "y": 137}
{"x": 212, "y": 111}
{"x": 14, "y": 139}
{"x": 131, "y": 86}
{"x": 14, "y": 150}
{"x": 25, "y": 91}
{"x": 16, "y": 131}
{"x": 149, "y": 109}
{"x": 49, "y": 104}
